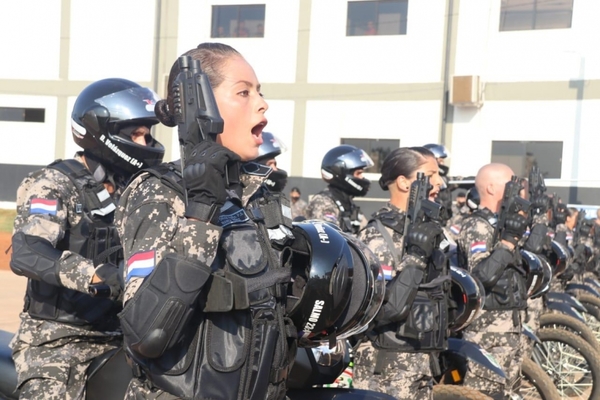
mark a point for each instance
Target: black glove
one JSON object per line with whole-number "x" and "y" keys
{"x": 514, "y": 228}
{"x": 111, "y": 276}
{"x": 423, "y": 239}
{"x": 206, "y": 179}
{"x": 540, "y": 205}
{"x": 538, "y": 239}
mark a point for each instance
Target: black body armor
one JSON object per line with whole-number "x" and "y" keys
{"x": 425, "y": 329}
{"x": 94, "y": 238}
{"x": 238, "y": 344}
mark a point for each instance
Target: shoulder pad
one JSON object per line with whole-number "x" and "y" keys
{"x": 256, "y": 169}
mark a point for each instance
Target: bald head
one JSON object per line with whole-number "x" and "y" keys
{"x": 490, "y": 182}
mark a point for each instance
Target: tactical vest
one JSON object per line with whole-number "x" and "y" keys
{"x": 94, "y": 238}
{"x": 240, "y": 344}
{"x": 426, "y": 327}
{"x": 510, "y": 292}
{"x": 349, "y": 219}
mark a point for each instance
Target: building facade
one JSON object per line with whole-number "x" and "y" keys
{"x": 378, "y": 74}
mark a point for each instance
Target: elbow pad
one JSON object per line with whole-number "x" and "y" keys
{"x": 538, "y": 238}
{"x": 491, "y": 269}
{"x": 154, "y": 319}
{"x": 561, "y": 237}
{"x": 399, "y": 295}
{"x": 35, "y": 258}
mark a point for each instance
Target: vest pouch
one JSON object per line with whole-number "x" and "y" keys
{"x": 226, "y": 349}
{"x": 425, "y": 329}
{"x": 42, "y": 300}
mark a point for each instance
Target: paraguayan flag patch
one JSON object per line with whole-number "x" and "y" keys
{"x": 43, "y": 206}
{"x": 478, "y": 247}
{"x": 141, "y": 264}
{"x": 386, "y": 270}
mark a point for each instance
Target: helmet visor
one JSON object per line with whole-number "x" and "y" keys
{"x": 357, "y": 159}
{"x": 130, "y": 104}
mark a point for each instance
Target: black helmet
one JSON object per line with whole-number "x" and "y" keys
{"x": 546, "y": 278}
{"x": 338, "y": 288}
{"x": 473, "y": 199}
{"x": 338, "y": 166}
{"x": 270, "y": 148}
{"x": 558, "y": 257}
{"x": 102, "y": 110}
{"x": 438, "y": 150}
{"x": 535, "y": 272}
{"x": 468, "y": 294}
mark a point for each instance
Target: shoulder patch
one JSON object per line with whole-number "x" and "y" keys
{"x": 43, "y": 206}
{"x": 386, "y": 272}
{"x": 478, "y": 247}
{"x": 141, "y": 264}
{"x": 455, "y": 229}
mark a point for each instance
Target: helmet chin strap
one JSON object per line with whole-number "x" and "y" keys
{"x": 99, "y": 172}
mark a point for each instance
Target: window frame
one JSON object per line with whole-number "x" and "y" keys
{"x": 536, "y": 157}
{"x": 36, "y": 114}
{"x": 534, "y": 17}
{"x": 402, "y": 27}
{"x": 215, "y": 26}
{"x": 375, "y": 170}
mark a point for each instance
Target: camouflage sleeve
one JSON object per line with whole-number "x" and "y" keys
{"x": 152, "y": 224}
{"x": 46, "y": 208}
{"x": 475, "y": 240}
{"x": 374, "y": 241}
{"x": 323, "y": 208}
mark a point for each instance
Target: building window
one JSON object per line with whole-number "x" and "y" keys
{"x": 521, "y": 156}
{"x": 377, "y": 149}
{"x": 238, "y": 21}
{"x": 382, "y": 17}
{"x": 17, "y": 114}
{"x": 522, "y": 15}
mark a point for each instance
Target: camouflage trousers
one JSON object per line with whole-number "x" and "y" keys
{"x": 403, "y": 375}
{"x": 505, "y": 348}
{"x": 137, "y": 390}
{"x": 57, "y": 370}
{"x": 531, "y": 317}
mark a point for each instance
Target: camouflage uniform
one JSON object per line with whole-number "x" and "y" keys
{"x": 151, "y": 219}
{"x": 322, "y": 206}
{"x": 496, "y": 331}
{"x": 454, "y": 224}
{"x": 298, "y": 208}
{"x": 404, "y": 375}
{"x": 51, "y": 358}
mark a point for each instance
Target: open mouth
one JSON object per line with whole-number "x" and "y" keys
{"x": 257, "y": 131}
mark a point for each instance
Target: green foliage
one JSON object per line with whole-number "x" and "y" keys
{"x": 7, "y": 217}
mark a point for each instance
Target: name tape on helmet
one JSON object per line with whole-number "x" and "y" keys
{"x": 323, "y": 236}
{"x": 315, "y": 314}
{"x": 131, "y": 160}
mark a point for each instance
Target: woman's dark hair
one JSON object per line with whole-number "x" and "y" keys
{"x": 403, "y": 161}
{"x": 295, "y": 189}
{"x": 571, "y": 211}
{"x": 212, "y": 57}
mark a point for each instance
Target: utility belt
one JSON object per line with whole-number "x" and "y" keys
{"x": 509, "y": 293}
{"x": 426, "y": 327}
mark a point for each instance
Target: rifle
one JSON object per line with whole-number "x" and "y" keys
{"x": 419, "y": 208}
{"x": 512, "y": 203}
{"x": 537, "y": 187}
{"x": 195, "y": 108}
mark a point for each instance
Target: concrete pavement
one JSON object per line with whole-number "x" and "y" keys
{"x": 12, "y": 290}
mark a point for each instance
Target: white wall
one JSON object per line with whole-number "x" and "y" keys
{"x": 30, "y": 44}
{"x": 272, "y": 57}
{"x": 529, "y": 55}
{"x": 415, "y": 123}
{"x": 575, "y": 123}
{"x": 414, "y": 57}
{"x": 112, "y": 39}
{"x": 29, "y": 143}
